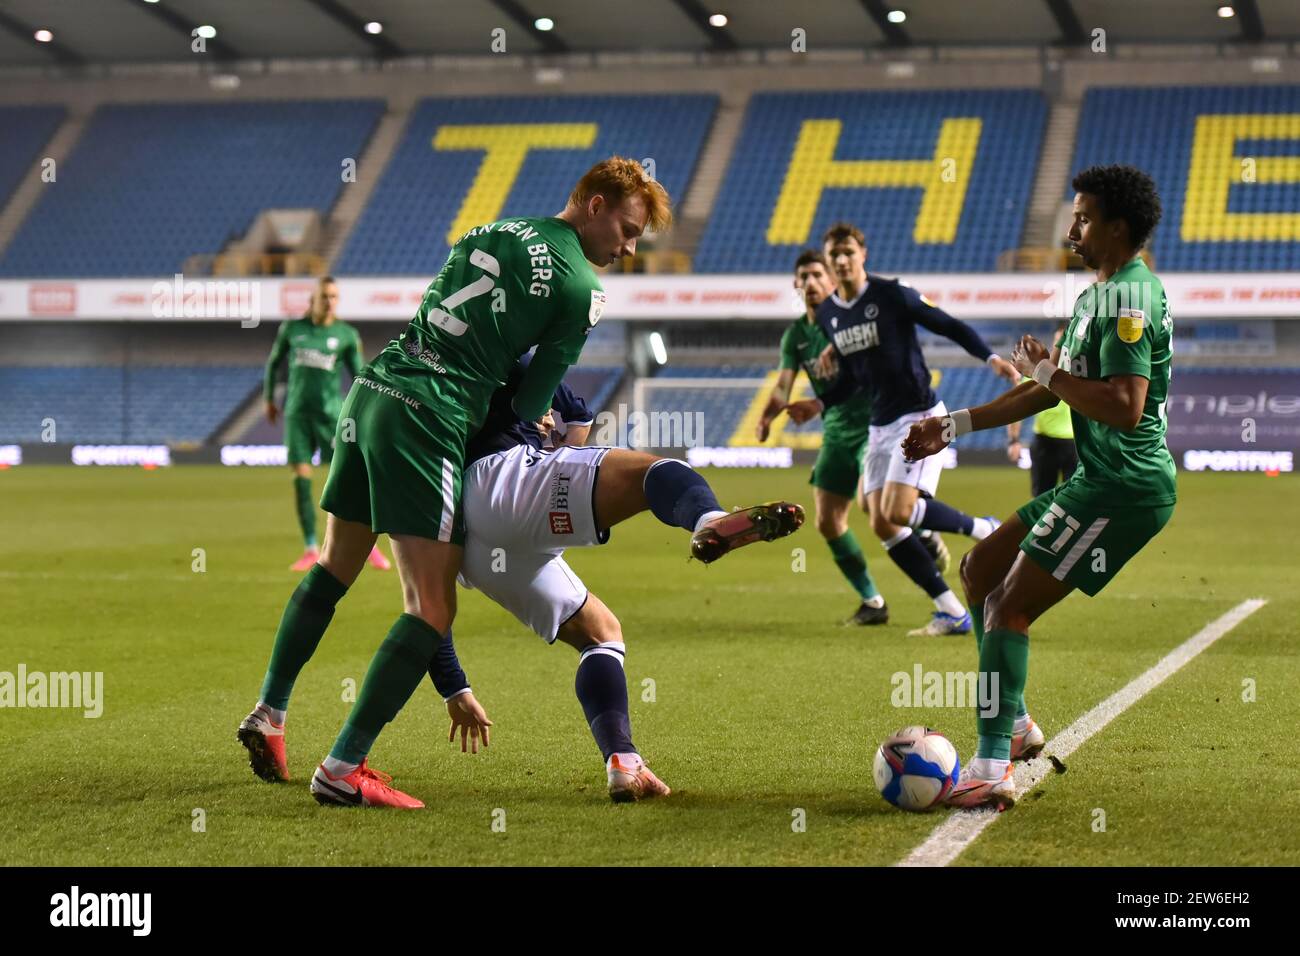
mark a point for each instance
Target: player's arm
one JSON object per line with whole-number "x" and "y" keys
{"x": 559, "y": 348}
{"x": 466, "y": 713}
{"x": 776, "y": 400}
{"x": 845, "y": 387}
{"x": 1013, "y": 442}
{"x": 353, "y": 357}
{"x": 278, "y": 352}
{"x": 1118, "y": 397}
{"x": 929, "y": 316}
{"x": 931, "y": 435}
{"x": 573, "y": 419}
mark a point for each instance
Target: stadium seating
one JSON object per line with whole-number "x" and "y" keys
{"x": 149, "y": 185}
{"x": 112, "y": 404}
{"x": 882, "y": 158}
{"x": 1224, "y": 162}
{"x": 26, "y": 130}
{"x": 463, "y": 162}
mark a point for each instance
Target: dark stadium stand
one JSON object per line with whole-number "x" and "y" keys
{"x": 439, "y": 183}
{"x": 898, "y": 129}
{"x": 149, "y": 185}
{"x": 146, "y": 405}
{"x": 1216, "y": 218}
{"x": 26, "y": 130}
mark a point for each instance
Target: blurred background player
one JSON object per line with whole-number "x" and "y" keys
{"x": 532, "y": 489}
{"x": 836, "y": 473}
{"x": 871, "y": 322}
{"x": 1112, "y": 369}
{"x": 1052, "y": 456}
{"x": 315, "y": 347}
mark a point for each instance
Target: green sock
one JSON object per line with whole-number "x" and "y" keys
{"x": 977, "y": 621}
{"x": 398, "y": 668}
{"x": 853, "y": 564}
{"x": 1005, "y": 653}
{"x": 303, "y": 624}
{"x": 306, "y": 509}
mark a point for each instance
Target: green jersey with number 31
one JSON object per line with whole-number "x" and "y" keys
{"x": 1123, "y": 327}
{"x": 505, "y": 287}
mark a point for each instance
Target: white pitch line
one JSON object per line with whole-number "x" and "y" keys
{"x": 956, "y": 833}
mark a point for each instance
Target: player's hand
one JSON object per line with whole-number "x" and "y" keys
{"x": 827, "y": 365}
{"x": 1013, "y": 452}
{"x": 763, "y": 430}
{"x": 1004, "y": 369}
{"x": 927, "y": 437}
{"x": 272, "y": 413}
{"x": 804, "y": 411}
{"x": 546, "y": 425}
{"x": 1028, "y": 354}
{"x": 468, "y": 716}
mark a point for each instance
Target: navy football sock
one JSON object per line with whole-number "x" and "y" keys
{"x": 601, "y": 687}
{"x": 936, "y": 516}
{"x": 910, "y": 555}
{"x": 677, "y": 494}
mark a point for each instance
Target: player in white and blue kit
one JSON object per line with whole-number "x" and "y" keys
{"x": 533, "y": 489}
{"x": 871, "y": 322}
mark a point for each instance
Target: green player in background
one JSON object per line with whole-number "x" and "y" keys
{"x": 838, "y": 468}
{"x": 1112, "y": 369}
{"x": 315, "y": 348}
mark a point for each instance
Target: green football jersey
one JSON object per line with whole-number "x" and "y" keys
{"x": 847, "y": 422}
{"x": 505, "y": 287}
{"x": 1123, "y": 327}
{"x": 314, "y": 353}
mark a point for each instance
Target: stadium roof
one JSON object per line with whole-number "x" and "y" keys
{"x": 125, "y": 31}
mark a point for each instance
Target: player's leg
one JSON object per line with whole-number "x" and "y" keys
{"x": 836, "y": 476}
{"x": 427, "y": 569}
{"x": 905, "y": 549}
{"x": 601, "y": 688}
{"x": 307, "y": 615}
{"x": 300, "y": 443}
{"x": 1009, "y": 609}
{"x": 412, "y": 467}
{"x": 982, "y": 569}
{"x": 1042, "y": 466}
{"x": 630, "y": 482}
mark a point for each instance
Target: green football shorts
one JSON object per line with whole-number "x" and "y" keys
{"x": 397, "y": 464}
{"x": 303, "y": 434}
{"x": 838, "y": 467}
{"x": 1083, "y": 538}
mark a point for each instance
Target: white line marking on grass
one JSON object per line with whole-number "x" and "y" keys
{"x": 956, "y": 833}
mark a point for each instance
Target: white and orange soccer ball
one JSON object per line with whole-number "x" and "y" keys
{"x": 916, "y": 768}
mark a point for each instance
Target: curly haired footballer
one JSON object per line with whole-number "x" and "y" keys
{"x": 1123, "y": 192}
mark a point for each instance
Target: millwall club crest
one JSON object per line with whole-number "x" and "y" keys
{"x": 597, "y": 308}
{"x": 835, "y": 321}
{"x": 870, "y": 310}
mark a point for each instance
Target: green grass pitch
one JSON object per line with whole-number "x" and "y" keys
{"x": 763, "y": 704}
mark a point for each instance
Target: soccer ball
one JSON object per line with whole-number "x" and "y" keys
{"x": 916, "y": 768}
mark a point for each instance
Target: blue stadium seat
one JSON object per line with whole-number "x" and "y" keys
{"x": 112, "y": 404}
{"x": 147, "y": 186}
{"x": 1210, "y": 223}
{"x": 26, "y": 130}
{"x": 404, "y": 228}
{"x": 879, "y": 126}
